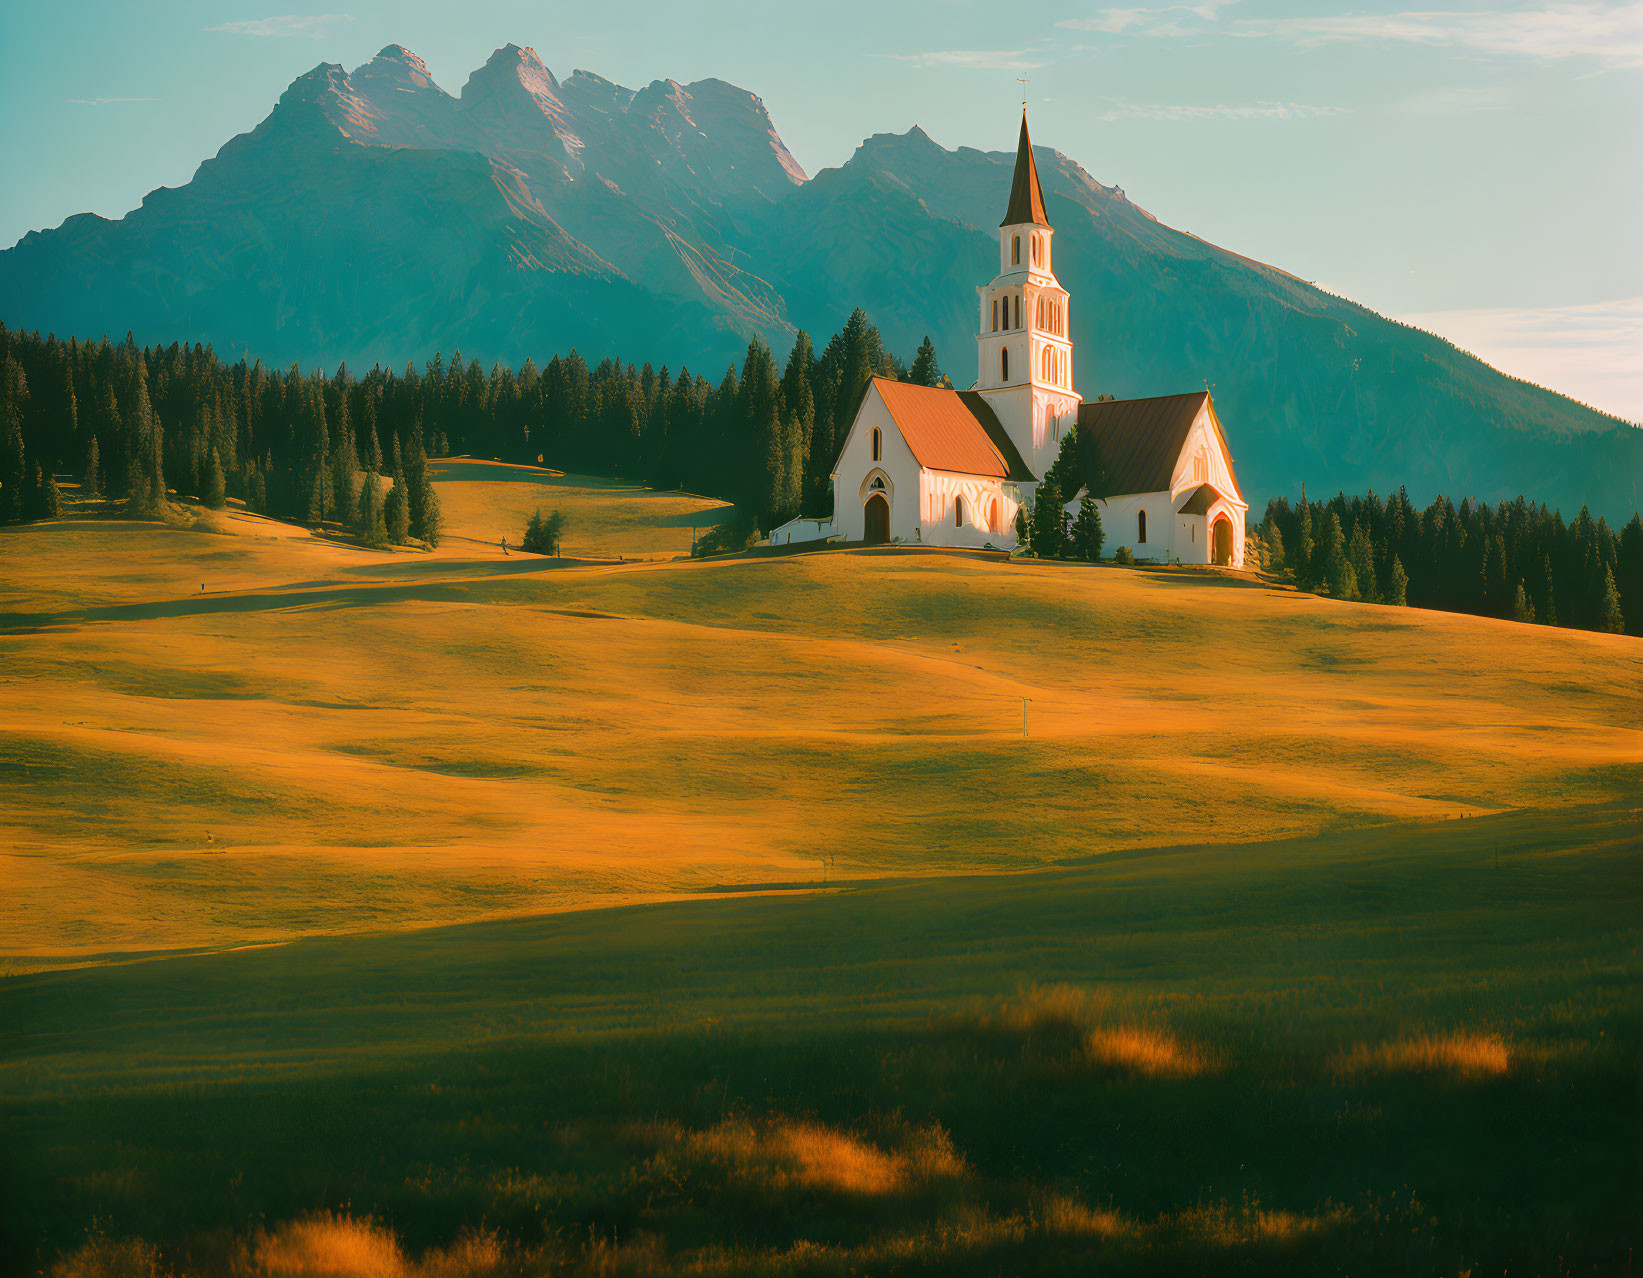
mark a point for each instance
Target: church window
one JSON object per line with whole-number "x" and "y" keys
{"x": 878, "y": 444}
{"x": 995, "y": 315}
{"x": 958, "y": 512}
{"x": 1141, "y": 528}
{"x": 1015, "y": 251}
{"x": 1004, "y": 364}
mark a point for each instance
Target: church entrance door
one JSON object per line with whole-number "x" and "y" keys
{"x": 1222, "y": 536}
{"x": 878, "y": 520}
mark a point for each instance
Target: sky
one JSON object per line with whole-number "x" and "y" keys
{"x": 1476, "y": 168}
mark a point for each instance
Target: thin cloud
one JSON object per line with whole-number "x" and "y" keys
{"x": 315, "y": 26}
{"x": 1171, "y": 20}
{"x": 104, "y": 101}
{"x": 972, "y": 59}
{"x": 1612, "y": 34}
{"x": 1222, "y": 111}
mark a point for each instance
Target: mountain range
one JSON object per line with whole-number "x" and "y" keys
{"x": 372, "y": 216}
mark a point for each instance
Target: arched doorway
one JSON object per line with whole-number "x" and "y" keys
{"x": 877, "y": 513}
{"x": 1221, "y": 537}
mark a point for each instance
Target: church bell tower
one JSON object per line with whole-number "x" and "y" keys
{"x": 1024, "y": 352}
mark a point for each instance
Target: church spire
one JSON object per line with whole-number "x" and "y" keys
{"x": 1026, "y": 196}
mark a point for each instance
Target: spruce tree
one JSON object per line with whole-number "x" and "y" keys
{"x": 344, "y": 469}
{"x": 422, "y": 501}
{"x": 1304, "y": 547}
{"x": 532, "y": 542}
{"x": 369, "y": 520}
{"x": 925, "y": 371}
{"x": 1336, "y": 572}
{"x": 214, "y": 491}
{"x": 91, "y": 484}
{"x": 1397, "y": 585}
{"x": 396, "y": 511}
{"x": 1522, "y": 609}
{"x": 1610, "y": 619}
{"x": 1087, "y": 534}
{"x": 1362, "y": 558}
{"x": 1049, "y": 522}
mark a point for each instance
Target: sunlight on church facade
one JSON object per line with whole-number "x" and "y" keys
{"x": 938, "y": 467}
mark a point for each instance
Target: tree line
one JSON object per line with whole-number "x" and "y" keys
{"x": 134, "y": 423}
{"x": 1513, "y": 560}
{"x": 137, "y": 422}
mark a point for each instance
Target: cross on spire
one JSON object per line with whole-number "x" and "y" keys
{"x": 1023, "y": 83}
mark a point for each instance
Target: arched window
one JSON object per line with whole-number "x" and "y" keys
{"x": 1004, "y": 364}
{"x": 878, "y": 444}
{"x": 1015, "y": 251}
{"x": 995, "y": 315}
{"x": 958, "y": 512}
{"x": 1141, "y": 528}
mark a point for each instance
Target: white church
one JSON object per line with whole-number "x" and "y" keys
{"x": 936, "y": 467}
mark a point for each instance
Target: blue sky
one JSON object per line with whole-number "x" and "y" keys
{"x": 1476, "y": 166}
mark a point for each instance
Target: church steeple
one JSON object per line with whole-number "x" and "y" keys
{"x": 1023, "y": 347}
{"x": 1026, "y": 195}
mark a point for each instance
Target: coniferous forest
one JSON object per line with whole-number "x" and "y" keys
{"x": 133, "y": 423}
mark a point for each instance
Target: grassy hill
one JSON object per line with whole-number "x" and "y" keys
{"x": 1294, "y": 936}
{"x": 328, "y": 739}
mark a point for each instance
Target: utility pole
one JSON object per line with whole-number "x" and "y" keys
{"x": 1023, "y": 718}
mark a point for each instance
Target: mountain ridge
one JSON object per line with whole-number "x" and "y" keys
{"x": 374, "y": 216}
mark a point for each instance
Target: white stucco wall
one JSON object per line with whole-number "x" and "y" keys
{"x": 989, "y": 511}
{"x": 856, "y": 469}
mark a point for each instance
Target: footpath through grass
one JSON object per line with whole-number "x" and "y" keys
{"x": 1400, "y": 1050}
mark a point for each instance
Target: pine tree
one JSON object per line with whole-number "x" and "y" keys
{"x": 1362, "y": 558}
{"x": 91, "y": 485}
{"x": 1629, "y": 574}
{"x": 1336, "y": 572}
{"x": 369, "y": 520}
{"x": 1087, "y": 535}
{"x": 1522, "y": 609}
{"x": 1397, "y": 585}
{"x": 1610, "y": 618}
{"x": 316, "y": 495}
{"x": 1049, "y": 522}
{"x": 532, "y": 542}
{"x": 215, "y": 489}
{"x": 396, "y": 510}
{"x": 344, "y": 469}
{"x": 1274, "y": 542}
{"x": 925, "y": 371}
{"x": 1304, "y": 547}
{"x": 422, "y": 501}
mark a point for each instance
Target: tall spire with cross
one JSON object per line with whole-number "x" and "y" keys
{"x": 1026, "y": 195}
{"x": 1023, "y": 343}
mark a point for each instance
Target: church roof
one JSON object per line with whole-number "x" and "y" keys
{"x": 1026, "y": 195}
{"x": 1141, "y": 439}
{"x": 952, "y": 430}
{"x": 1203, "y": 497}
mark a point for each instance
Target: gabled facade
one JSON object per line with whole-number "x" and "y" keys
{"x": 926, "y": 466}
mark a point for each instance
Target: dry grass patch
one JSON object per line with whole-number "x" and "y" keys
{"x": 1081, "y": 1025}
{"x": 804, "y": 1155}
{"x": 328, "y": 1245}
{"x": 1461, "y": 1054}
{"x": 1140, "y": 1049}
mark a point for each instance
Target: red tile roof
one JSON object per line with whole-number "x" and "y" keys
{"x": 1026, "y": 195}
{"x": 952, "y": 430}
{"x": 1141, "y": 439}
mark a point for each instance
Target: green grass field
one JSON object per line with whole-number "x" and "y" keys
{"x": 1296, "y": 937}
